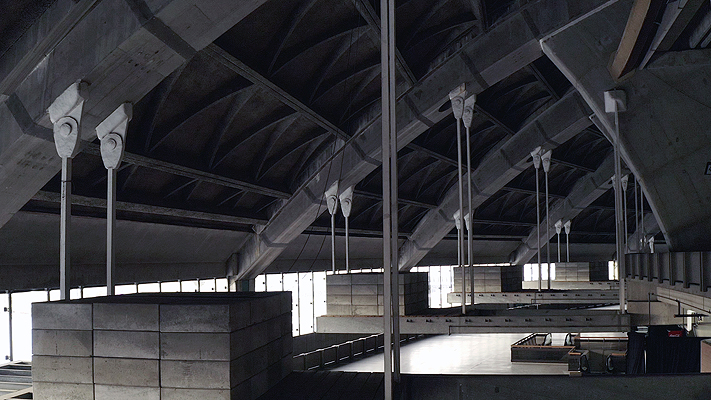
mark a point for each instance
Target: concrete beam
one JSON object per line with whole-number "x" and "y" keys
{"x": 634, "y": 42}
{"x": 202, "y": 176}
{"x": 149, "y": 211}
{"x": 665, "y": 140}
{"x": 580, "y": 321}
{"x": 132, "y": 47}
{"x": 480, "y": 63}
{"x": 565, "y": 119}
{"x": 586, "y": 190}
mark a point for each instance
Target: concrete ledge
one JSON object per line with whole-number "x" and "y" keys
{"x": 126, "y": 344}
{"x": 192, "y": 394}
{"x": 196, "y": 346}
{"x": 111, "y": 392}
{"x": 126, "y": 317}
{"x": 62, "y": 315}
{"x": 194, "y": 318}
{"x": 74, "y": 370}
{"x": 47, "y": 342}
{"x": 62, "y": 391}
{"x": 195, "y": 374}
{"x": 126, "y": 372}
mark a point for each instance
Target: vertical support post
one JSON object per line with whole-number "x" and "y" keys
{"x": 460, "y": 257}
{"x": 625, "y": 180}
{"x": 112, "y": 134}
{"x": 332, "y": 204}
{"x": 467, "y": 118}
{"x": 615, "y": 102}
{"x": 65, "y": 112}
{"x": 636, "y": 210}
{"x": 558, "y": 230}
{"x": 333, "y": 243}
{"x": 391, "y": 309}
{"x": 9, "y": 324}
{"x": 546, "y": 160}
{"x": 64, "y": 226}
{"x": 110, "y": 230}
{"x": 643, "y": 244}
{"x": 536, "y": 155}
{"x": 346, "y": 199}
{"x": 567, "y": 240}
{"x": 457, "y": 97}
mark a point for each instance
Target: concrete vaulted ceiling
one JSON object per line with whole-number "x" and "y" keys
{"x": 245, "y": 112}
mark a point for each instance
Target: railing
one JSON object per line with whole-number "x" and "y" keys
{"x": 346, "y": 351}
{"x": 537, "y": 348}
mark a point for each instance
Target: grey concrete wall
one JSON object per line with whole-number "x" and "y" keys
{"x": 486, "y": 279}
{"x": 572, "y": 272}
{"x": 362, "y": 294}
{"x": 219, "y": 346}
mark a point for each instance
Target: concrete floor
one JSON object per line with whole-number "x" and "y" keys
{"x": 477, "y": 354}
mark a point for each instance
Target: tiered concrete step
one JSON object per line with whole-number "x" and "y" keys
{"x": 362, "y": 294}
{"x": 167, "y": 347}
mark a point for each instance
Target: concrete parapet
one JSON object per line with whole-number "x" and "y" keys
{"x": 162, "y": 346}
{"x": 362, "y": 294}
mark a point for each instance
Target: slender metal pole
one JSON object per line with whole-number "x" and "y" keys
{"x": 618, "y": 211}
{"x": 9, "y": 322}
{"x": 110, "y": 232}
{"x": 636, "y": 211}
{"x": 470, "y": 244}
{"x": 538, "y": 232}
{"x": 333, "y": 243}
{"x": 348, "y": 266}
{"x": 548, "y": 236}
{"x": 64, "y": 225}
{"x": 389, "y": 151}
{"x": 641, "y": 218}
{"x": 624, "y": 212}
{"x": 567, "y": 247}
{"x": 460, "y": 232}
{"x": 558, "y": 247}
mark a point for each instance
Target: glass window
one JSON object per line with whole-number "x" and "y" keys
{"x": 149, "y": 287}
{"x": 260, "y": 283}
{"x": 306, "y": 302}
{"x": 188, "y": 286}
{"x": 120, "y": 289}
{"x": 221, "y": 285}
{"x": 170, "y": 287}
{"x": 207, "y": 285}
{"x": 22, "y": 322}
{"x": 96, "y": 291}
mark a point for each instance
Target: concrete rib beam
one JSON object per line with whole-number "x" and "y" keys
{"x": 585, "y": 191}
{"x": 480, "y": 63}
{"x": 135, "y": 46}
{"x": 565, "y": 119}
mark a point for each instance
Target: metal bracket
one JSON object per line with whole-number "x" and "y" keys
{"x": 112, "y": 133}
{"x": 558, "y": 227}
{"x": 332, "y": 198}
{"x": 566, "y": 225}
{"x": 467, "y": 222}
{"x": 469, "y": 111}
{"x": 346, "y": 198}
{"x": 65, "y": 114}
{"x": 546, "y": 159}
{"x": 457, "y": 98}
{"x": 536, "y": 154}
{"x": 615, "y": 100}
{"x": 456, "y": 220}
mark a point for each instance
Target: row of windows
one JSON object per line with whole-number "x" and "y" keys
{"x": 308, "y": 298}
